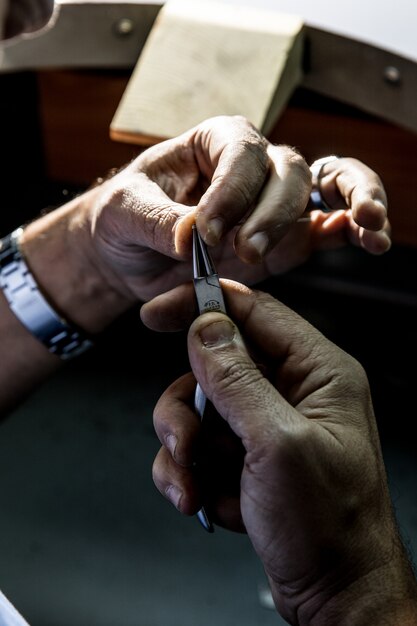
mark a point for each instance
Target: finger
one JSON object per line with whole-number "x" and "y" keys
{"x": 374, "y": 242}
{"x": 174, "y": 310}
{"x": 237, "y": 154}
{"x": 271, "y": 325}
{"x": 181, "y": 487}
{"x": 176, "y": 422}
{"x": 349, "y": 183}
{"x": 274, "y": 330}
{"x": 333, "y": 230}
{"x": 171, "y": 311}
{"x": 176, "y": 483}
{"x": 214, "y": 470}
{"x": 233, "y": 382}
{"x": 304, "y": 363}
{"x": 282, "y": 201}
{"x": 154, "y": 217}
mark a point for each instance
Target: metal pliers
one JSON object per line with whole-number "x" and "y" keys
{"x": 209, "y": 298}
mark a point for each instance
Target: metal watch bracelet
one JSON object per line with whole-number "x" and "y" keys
{"x": 30, "y": 306}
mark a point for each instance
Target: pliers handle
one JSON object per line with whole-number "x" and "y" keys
{"x": 209, "y": 298}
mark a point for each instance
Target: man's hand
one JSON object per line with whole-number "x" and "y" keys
{"x": 224, "y": 175}
{"x": 244, "y": 194}
{"x": 129, "y": 239}
{"x": 291, "y": 454}
{"x": 359, "y": 202}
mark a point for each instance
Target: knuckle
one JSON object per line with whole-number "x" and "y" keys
{"x": 117, "y": 196}
{"x": 241, "y": 119}
{"x": 240, "y": 122}
{"x": 235, "y": 376}
{"x": 299, "y": 165}
{"x": 254, "y": 146}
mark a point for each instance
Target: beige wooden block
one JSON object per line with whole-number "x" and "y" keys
{"x": 206, "y": 58}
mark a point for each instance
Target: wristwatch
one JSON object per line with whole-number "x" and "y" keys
{"x": 30, "y": 306}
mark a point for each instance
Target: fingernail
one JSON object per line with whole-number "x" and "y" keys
{"x": 214, "y": 231}
{"x": 174, "y": 495}
{"x": 217, "y": 334}
{"x": 260, "y": 242}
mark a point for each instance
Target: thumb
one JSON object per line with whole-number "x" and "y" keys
{"x": 232, "y": 381}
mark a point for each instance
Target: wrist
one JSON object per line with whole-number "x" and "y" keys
{"x": 386, "y": 594}
{"x": 30, "y": 306}
{"x": 58, "y": 249}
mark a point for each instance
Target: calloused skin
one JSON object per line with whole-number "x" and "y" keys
{"x": 290, "y": 453}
